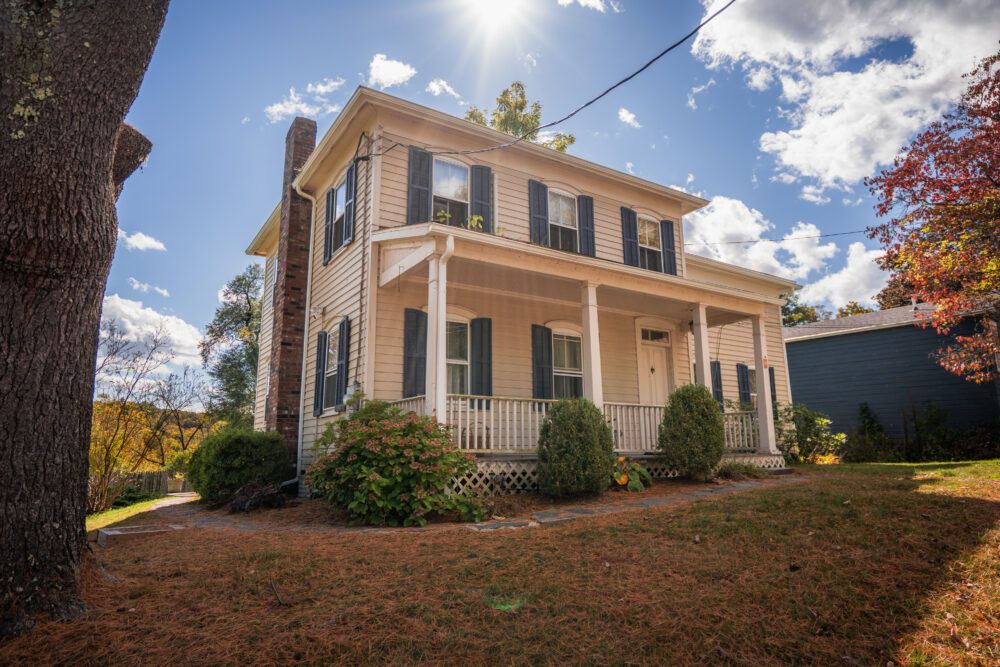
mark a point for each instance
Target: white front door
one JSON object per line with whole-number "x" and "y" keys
{"x": 654, "y": 374}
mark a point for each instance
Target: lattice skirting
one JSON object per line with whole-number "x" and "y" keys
{"x": 517, "y": 474}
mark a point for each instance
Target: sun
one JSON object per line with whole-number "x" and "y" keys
{"x": 493, "y": 16}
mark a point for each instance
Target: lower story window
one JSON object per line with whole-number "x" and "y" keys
{"x": 752, "y": 375}
{"x": 330, "y": 377}
{"x": 451, "y": 212}
{"x": 567, "y": 366}
{"x": 457, "y": 344}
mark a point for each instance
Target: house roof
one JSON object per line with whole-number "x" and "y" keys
{"x": 880, "y": 319}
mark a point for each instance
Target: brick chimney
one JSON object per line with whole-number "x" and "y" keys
{"x": 281, "y": 411}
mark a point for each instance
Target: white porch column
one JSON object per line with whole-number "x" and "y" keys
{"x": 703, "y": 371}
{"x": 593, "y": 384}
{"x": 440, "y": 367}
{"x": 765, "y": 417}
{"x": 430, "y": 376}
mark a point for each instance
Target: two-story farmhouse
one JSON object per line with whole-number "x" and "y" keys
{"x": 478, "y": 286}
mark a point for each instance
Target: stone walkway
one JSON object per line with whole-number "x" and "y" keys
{"x": 181, "y": 509}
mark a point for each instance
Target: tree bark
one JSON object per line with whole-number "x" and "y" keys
{"x": 70, "y": 71}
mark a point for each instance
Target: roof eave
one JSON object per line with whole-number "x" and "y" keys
{"x": 267, "y": 235}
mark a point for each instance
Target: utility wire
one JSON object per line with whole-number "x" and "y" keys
{"x": 607, "y": 91}
{"x": 790, "y": 238}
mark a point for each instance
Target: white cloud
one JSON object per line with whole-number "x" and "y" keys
{"x": 589, "y": 4}
{"x": 859, "y": 280}
{"x": 161, "y": 291}
{"x": 689, "y": 180}
{"x": 846, "y": 201}
{"x": 630, "y": 168}
{"x": 140, "y": 322}
{"x": 710, "y": 232}
{"x": 843, "y": 124}
{"x": 616, "y": 6}
{"x": 530, "y": 60}
{"x": 627, "y": 117}
{"x": 698, "y": 90}
{"x": 292, "y": 104}
{"x": 386, "y": 73}
{"x": 244, "y": 120}
{"x": 440, "y": 86}
{"x": 140, "y": 241}
{"x": 813, "y": 194}
{"x": 783, "y": 177}
{"x": 140, "y": 286}
{"x": 324, "y": 87}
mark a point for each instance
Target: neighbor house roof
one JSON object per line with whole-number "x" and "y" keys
{"x": 880, "y": 319}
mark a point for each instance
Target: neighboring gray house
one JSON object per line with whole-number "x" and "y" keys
{"x": 885, "y": 360}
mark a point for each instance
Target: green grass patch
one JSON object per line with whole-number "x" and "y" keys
{"x": 103, "y": 519}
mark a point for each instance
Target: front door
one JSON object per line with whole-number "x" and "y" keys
{"x": 654, "y": 373}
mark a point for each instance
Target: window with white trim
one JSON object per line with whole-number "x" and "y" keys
{"x": 330, "y": 372}
{"x": 752, "y": 381}
{"x": 451, "y": 193}
{"x": 656, "y": 336}
{"x": 650, "y": 246}
{"x": 567, "y": 366}
{"x": 339, "y": 208}
{"x": 563, "y": 226}
{"x": 457, "y": 353}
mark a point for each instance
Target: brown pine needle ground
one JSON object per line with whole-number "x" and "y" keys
{"x": 860, "y": 565}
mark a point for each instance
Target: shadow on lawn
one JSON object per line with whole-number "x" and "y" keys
{"x": 846, "y": 569}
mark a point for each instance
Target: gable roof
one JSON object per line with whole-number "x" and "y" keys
{"x": 880, "y": 319}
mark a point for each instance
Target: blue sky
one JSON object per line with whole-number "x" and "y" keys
{"x": 775, "y": 114}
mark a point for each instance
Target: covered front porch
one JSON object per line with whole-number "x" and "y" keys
{"x": 550, "y": 326}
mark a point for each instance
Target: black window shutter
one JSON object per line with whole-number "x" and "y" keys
{"x": 538, "y": 212}
{"x": 350, "y": 183}
{"x": 717, "y": 382}
{"x": 320, "y": 373}
{"x": 481, "y": 195}
{"x": 743, "y": 381}
{"x": 585, "y": 218}
{"x": 331, "y": 205}
{"x": 481, "y": 373}
{"x": 667, "y": 246}
{"x": 418, "y": 198}
{"x": 630, "y": 237}
{"x": 414, "y": 352}
{"x": 774, "y": 392}
{"x": 541, "y": 361}
{"x": 343, "y": 359}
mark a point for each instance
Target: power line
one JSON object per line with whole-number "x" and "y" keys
{"x": 586, "y": 104}
{"x": 790, "y": 238}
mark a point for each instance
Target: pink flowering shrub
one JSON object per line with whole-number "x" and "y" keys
{"x": 389, "y": 468}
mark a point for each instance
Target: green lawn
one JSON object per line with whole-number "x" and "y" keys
{"x": 858, "y": 565}
{"x": 102, "y": 519}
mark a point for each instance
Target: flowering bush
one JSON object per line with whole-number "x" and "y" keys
{"x": 387, "y": 468}
{"x": 630, "y": 475}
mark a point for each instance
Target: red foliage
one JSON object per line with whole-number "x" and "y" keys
{"x": 942, "y": 236}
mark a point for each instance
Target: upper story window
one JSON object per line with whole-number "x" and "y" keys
{"x": 563, "y": 225}
{"x": 339, "y": 206}
{"x": 567, "y": 366}
{"x": 457, "y": 353}
{"x": 650, "y": 245}
{"x": 451, "y": 193}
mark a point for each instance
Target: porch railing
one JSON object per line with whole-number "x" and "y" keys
{"x": 504, "y": 424}
{"x": 411, "y": 404}
{"x": 495, "y": 423}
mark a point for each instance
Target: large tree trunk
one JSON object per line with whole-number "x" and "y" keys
{"x": 68, "y": 73}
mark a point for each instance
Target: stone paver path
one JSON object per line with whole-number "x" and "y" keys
{"x": 181, "y": 509}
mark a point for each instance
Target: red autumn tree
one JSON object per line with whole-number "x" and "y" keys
{"x": 941, "y": 201}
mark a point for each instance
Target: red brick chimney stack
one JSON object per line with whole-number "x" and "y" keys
{"x": 281, "y": 412}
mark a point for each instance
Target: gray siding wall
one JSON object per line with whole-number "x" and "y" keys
{"x": 890, "y": 369}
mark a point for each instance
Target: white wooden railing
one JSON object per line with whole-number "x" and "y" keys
{"x": 495, "y": 423}
{"x": 634, "y": 427}
{"x": 504, "y": 424}
{"x": 741, "y": 431}
{"x": 412, "y": 404}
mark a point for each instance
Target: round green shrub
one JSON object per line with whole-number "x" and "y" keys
{"x": 575, "y": 450}
{"x": 387, "y": 468}
{"x": 228, "y": 460}
{"x": 692, "y": 434}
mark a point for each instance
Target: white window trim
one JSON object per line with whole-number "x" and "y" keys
{"x": 468, "y": 179}
{"x": 656, "y": 223}
{"x": 333, "y": 225}
{"x": 332, "y": 332}
{"x": 576, "y": 215}
{"x": 566, "y": 372}
{"x": 467, "y": 362}
{"x": 751, "y": 368}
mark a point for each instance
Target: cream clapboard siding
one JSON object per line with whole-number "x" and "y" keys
{"x": 264, "y": 357}
{"x": 510, "y": 185}
{"x": 733, "y": 344}
{"x": 512, "y": 318}
{"x": 335, "y": 291}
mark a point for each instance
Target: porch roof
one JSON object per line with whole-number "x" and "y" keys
{"x": 513, "y": 263}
